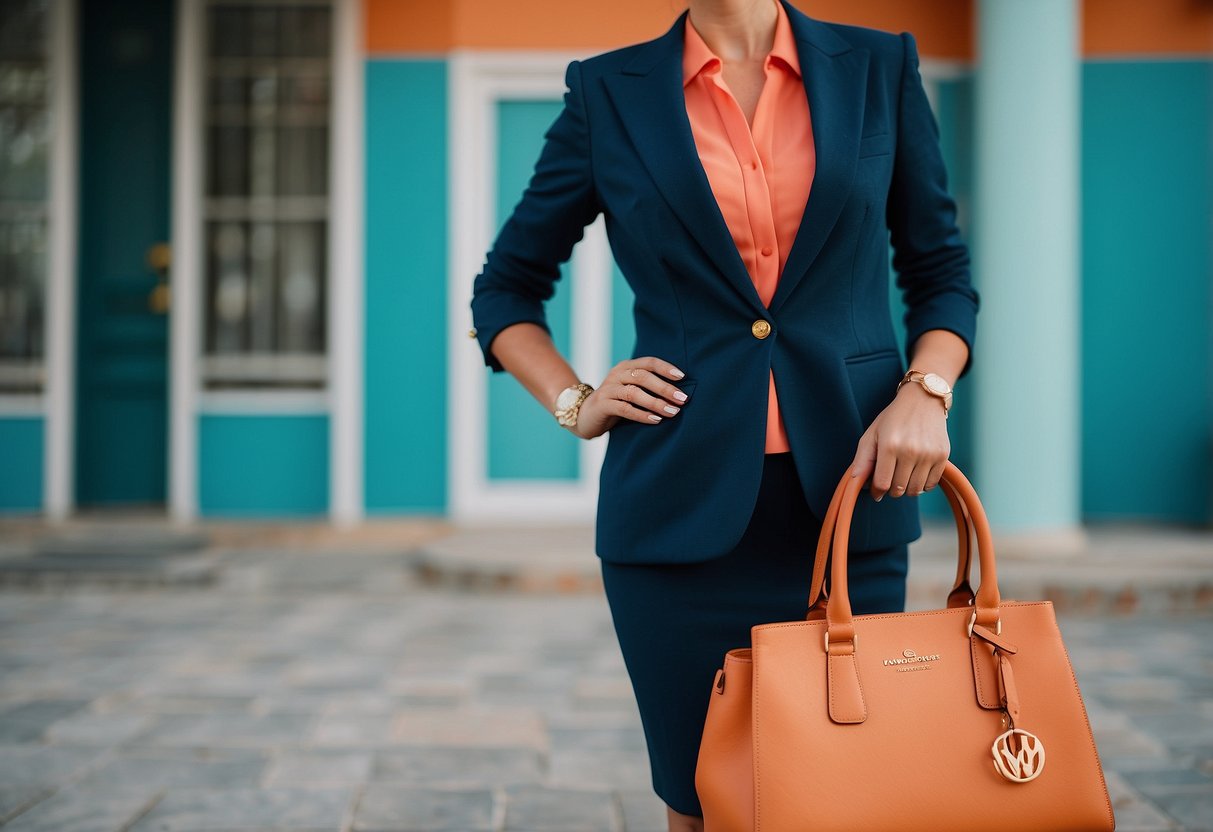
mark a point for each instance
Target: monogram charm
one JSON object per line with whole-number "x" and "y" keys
{"x": 1021, "y": 765}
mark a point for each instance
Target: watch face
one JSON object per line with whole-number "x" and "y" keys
{"x": 566, "y": 398}
{"x": 936, "y": 384}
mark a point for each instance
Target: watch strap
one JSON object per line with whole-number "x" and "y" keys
{"x": 921, "y": 378}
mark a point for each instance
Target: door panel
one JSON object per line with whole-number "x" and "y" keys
{"x": 125, "y": 123}
{"x": 521, "y": 442}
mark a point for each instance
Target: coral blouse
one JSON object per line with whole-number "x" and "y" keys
{"x": 760, "y": 173}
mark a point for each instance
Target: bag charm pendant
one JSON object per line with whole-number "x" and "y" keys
{"x": 1023, "y": 765}
{"x": 1019, "y": 755}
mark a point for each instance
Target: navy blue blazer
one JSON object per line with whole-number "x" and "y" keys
{"x": 683, "y": 490}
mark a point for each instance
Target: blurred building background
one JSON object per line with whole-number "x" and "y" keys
{"x": 237, "y": 241}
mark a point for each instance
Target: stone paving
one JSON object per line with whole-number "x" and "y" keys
{"x": 331, "y": 691}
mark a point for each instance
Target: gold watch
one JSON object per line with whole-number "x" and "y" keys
{"x": 933, "y": 384}
{"x": 568, "y": 404}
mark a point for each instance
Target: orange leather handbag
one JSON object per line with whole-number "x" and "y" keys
{"x": 961, "y": 719}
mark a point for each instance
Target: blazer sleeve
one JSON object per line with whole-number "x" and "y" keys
{"x": 523, "y": 265}
{"x": 931, "y": 260}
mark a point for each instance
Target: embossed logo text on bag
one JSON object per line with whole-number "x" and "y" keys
{"x": 911, "y": 661}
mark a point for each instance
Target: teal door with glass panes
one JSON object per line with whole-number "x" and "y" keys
{"x": 126, "y": 72}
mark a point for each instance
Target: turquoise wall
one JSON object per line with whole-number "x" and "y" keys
{"x": 524, "y": 441}
{"x": 263, "y": 466}
{"x": 1147, "y": 340}
{"x": 406, "y": 283}
{"x": 21, "y": 463}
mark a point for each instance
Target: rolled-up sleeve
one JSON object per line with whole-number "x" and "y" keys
{"x": 929, "y": 256}
{"x": 523, "y": 265}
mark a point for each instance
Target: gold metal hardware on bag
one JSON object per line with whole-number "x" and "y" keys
{"x": 973, "y": 620}
{"x": 854, "y": 642}
{"x": 1022, "y": 765}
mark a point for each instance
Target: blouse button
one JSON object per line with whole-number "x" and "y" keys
{"x": 766, "y": 251}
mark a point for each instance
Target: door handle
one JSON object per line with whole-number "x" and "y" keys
{"x": 159, "y": 259}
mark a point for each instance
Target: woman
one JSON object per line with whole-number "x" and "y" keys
{"x": 752, "y": 166}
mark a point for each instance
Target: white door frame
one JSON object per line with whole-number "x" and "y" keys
{"x": 477, "y": 81}
{"x": 59, "y": 379}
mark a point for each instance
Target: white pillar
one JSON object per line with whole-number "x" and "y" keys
{"x": 1026, "y": 255}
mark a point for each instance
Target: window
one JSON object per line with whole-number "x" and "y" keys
{"x": 266, "y": 207}
{"x": 24, "y": 188}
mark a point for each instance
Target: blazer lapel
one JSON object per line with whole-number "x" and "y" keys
{"x": 648, "y": 95}
{"x": 835, "y": 80}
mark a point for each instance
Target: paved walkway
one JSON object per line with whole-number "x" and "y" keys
{"x": 312, "y": 689}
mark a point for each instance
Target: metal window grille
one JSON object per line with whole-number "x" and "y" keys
{"x": 24, "y": 187}
{"x": 266, "y": 214}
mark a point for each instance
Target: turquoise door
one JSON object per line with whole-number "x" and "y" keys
{"x": 126, "y": 75}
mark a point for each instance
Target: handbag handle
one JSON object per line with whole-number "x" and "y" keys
{"x": 969, "y": 514}
{"x": 961, "y": 594}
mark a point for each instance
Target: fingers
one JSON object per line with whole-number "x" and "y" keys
{"x": 640, "y": 399}
{"x": 647, "y": 373}
{"x": 935, "y": 476}
{"x": 638, "y": 390}
{"x": 908, "y": 462}
{"x": 882, "y": 477}
{"x": 627, "y": 410}
{"x": 908, "y": 472}
{"x": 865, "y": 457}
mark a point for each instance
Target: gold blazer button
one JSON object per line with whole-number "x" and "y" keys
{"x": 761, "y": 329}
{"x": 472, "y": 332}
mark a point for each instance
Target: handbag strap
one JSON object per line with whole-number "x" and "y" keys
{"x": 961, "y": 594}
{"x": 846, "y": 698}
{"x": 969, "y": 514}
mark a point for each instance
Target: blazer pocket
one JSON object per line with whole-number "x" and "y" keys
{"x": 875, "y": 355}
{"x": 877, "y": 145}
{"x": 873, "y": 377}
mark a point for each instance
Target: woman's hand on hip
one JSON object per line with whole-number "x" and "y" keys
{"x": 906, "y": 446}
{"x": 635, "y": 389}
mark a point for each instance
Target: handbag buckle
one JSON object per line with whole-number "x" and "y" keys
{"x": 973, "y": 620}
{"x": 854, "y": 641}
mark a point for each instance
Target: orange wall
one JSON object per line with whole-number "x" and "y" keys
{"x": 944, "y": 28}
{"x": 1147, "y": 27}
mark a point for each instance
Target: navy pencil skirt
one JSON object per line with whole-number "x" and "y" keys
{"x": 675, "y": 622}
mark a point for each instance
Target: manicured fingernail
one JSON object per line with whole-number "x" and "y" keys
{"x": 676, "y": 373}
{"x": 681, "y": 396}
{"x": 654, "y": 417}
{"x": 670, "y": 409}
{"x": 878, "y": 499}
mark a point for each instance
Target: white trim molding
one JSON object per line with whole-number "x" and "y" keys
{"x": 477, "y": 82}
{"x": 346, "y": 276}
{"x": 264, "y": 403}
{"x": 58, "y": 496}
{"x": 185, "y": 313}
